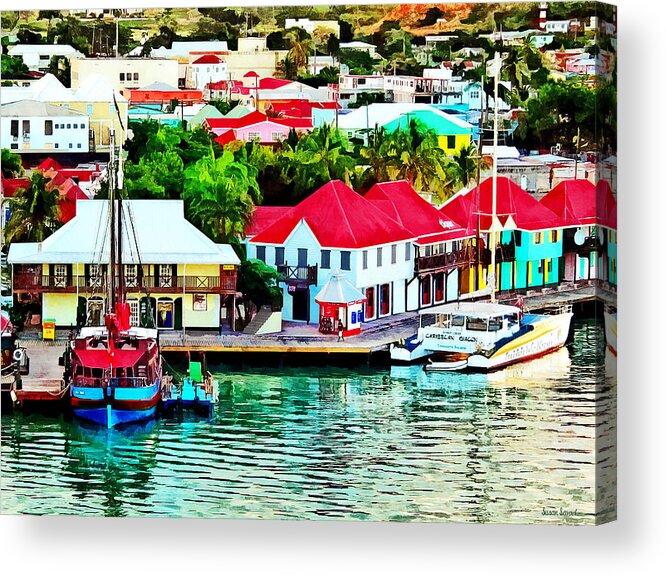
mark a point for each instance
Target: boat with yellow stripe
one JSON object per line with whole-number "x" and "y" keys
{"x": 485, "y": 336}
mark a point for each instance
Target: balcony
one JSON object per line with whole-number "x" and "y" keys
{"x": 298, "y": 274}
{"x": 165, "y": 284}
{"x": 590, "y": 244}
{"x": 443, "y": 261}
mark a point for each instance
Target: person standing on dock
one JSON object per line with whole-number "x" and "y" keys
{"x": 340, "y": 331}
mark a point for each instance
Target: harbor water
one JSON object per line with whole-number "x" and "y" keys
{"x": 533, "y": 443}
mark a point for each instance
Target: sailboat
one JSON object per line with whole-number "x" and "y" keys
{"x": 114, "y": 371}
{"x": 486, "y": 336}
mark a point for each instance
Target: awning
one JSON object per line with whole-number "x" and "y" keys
{"x": 339, "y": 290}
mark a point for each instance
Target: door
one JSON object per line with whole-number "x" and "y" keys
{"x": 300, "y": 305}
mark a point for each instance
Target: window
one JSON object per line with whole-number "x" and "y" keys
{"x": 302, "y": 257}
{"x": 261, "y": 253}
{"x": 370, "y": 303}
{"x": 83, "y": 127}
{"x": 345, "y": 261}
{"x": 519, "y": 239}
{"x": 60, "y": 275}
{"x": 553, "y": 236}
{"x": 122, "y": 76}
{"x": 134, "y": 311}
{"x": 385, "y": 299}
{"x": 253, "y": 136}
{"x": 540, "y": 267}
{"x": 165, "y": 313}
{"x": 136, "y": 76}
{"x": 69, "y": 126}
{"x": 408, "y": 251}
{"x": 550, "y": 266}
{"x": 165, "y": 275}
{"x": 425, "y": 291}
{"x": 14, "y": 128}
{"x": 56, "y": 145}
{"x": 379, "y": 257}
{"x": 26, "y": 129}
{"x": 537, "y": 238}
{"x": 279, "y": 256}
{"x": 89, "y": 109}
{"x": 450, "y": 142}
{"x": 70, "y": 146}
{"x": 439, "y": 287}
{"x": 94, "y": 275}
{"x": 131, "y": 276}
{"x": 94, "y": 311}
{"x": 78, "y": 145}
{"x": 76, "y": 126}
{"x": 365, "y": 259}
{"x": 277, "y": 136}
{"x": 394, "y": 253}
{"x": 48, "y": 127}
{"x": 326, "y": 259}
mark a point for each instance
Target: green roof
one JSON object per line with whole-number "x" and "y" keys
{"x": 207, "y": 111}
{"x": 440, "y": 123}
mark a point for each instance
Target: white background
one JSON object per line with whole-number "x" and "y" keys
{"x": 632, "y": 544}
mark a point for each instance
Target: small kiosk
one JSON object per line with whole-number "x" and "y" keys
{"x": 340, "y": 302}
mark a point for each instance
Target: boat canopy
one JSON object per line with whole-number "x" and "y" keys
{"x": 472, "y": 309}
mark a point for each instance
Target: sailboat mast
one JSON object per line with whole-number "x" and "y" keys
{"x": 119, "y": 184}
{"x": 112, "y": 243}
{"x": 491, "y": 275}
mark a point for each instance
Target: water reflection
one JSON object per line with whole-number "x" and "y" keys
{"x": 398, "y": 444}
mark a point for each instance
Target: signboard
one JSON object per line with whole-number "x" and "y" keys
{"x": 228, "y": 267}
{"x": 291, "y": 289}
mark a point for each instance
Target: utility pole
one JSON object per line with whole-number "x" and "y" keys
{"x": 577, "y": 142}
{"x": 491, "y": 275}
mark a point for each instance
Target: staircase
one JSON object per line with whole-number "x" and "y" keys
{"x": 258, "y": 324}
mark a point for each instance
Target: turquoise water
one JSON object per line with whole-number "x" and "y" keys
{"x": 395, "y": 444}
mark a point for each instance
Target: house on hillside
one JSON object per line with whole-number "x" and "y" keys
{"x": 175, "y": 276}
{"x": 30, "y": 126}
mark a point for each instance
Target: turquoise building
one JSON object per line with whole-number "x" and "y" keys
{"x": 529, "y": 259}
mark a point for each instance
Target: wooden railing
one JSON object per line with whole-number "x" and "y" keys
{"x": 444, "y": 260}
{"x": 80, "y": 381}
{"x": 307, "y": 274}
{"x": 38, "y": 282}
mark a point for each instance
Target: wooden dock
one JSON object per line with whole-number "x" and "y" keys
{"x": 44, "y": 382}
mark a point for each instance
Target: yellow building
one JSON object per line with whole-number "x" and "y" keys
{"x": 175, "y": 277}
{"x": 123, "y": 73}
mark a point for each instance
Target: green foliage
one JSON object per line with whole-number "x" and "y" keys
{"x": 221, "y": 194}
{"x": 11, "y": 164}
{"x": 12, "y": 66}
{"x": 60, "y": 67}
{"x": 259, "y": 283}
{"x": 358, "y": 61}
{"x": 34, "y": 212}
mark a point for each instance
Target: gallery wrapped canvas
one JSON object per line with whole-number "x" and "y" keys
{"x": 351, "y": 262}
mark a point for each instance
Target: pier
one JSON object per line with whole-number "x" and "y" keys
{"x": 44, "y": 385}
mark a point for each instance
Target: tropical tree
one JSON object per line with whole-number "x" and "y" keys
{"x": 301, "y": 46}
{"x": 34, "y": 212}
{"x": 318, "y": 157}
{"x": 11, "y": 164}
{"x": 220, "y": 194}
{"x": 465, "y": 165}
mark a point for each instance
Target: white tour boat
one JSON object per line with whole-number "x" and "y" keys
{"x": 485, "y": 336}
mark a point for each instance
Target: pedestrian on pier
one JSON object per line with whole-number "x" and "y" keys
{"x": 340, "y": 331}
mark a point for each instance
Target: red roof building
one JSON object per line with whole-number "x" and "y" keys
{"x": 515, "y": 208}
{"x": 11, "y": 185}
{"x": 159, "y": 93}
{"x": 208, "y": 59}
{"x": 263, "y": 217}
{"x": 581, "y": 203}
{"x": 338, "y": 218}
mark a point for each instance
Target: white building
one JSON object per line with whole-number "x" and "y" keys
{"x": 123, "y": 73}
{"x": 207, "y": 69}
{"x": 29, "y": 126}
{"x": 311, "y": 25}
{"x": 361, "y": 46}
{"x": 38, "y": 56}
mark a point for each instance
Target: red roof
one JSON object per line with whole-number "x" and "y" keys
{"x": 250, "y": 74}
{"x": 400, "y": 201}
{"x": 512, "y": 202}
{"x": 226, "y": 137}
{"x": 300, "y": 107}
{"x": 580, "y": 202}
{"x": 10, "y": 185}
{"x": 273, "y": 83}
{"x": 49, "y": 164}
{"x": 265, "y": 216}
{"x": 208, "y": 59}
{"x": 338, "y": 218}
{"x": 227, "y": 123}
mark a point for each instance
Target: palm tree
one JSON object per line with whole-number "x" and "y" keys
{"x": 35, "y": 212}
{"x": 11, "y": 164}
{"x": 465, "y": 164}
{"x": 221, "y": 194}
{"x": 299, "y": 52}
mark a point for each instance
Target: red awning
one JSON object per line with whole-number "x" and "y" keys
{"x": 99, "y": 358}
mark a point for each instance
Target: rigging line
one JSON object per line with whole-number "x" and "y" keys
{"x": 101, "y": 251}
